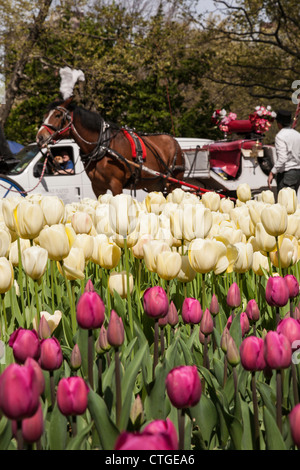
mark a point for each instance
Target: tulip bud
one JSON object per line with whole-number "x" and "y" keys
{"x": 81, "y": 222}
{"x": 293, "y": 285}
{"x": 51, "y": 357}
{"x": 244, "y": 322}
{"x": 232, "y": 353}
{"x": 277, "y": 350}
{"x": 137, "y": 411}
{"x": 252, "y": 311}
{"x": 294, "y": 419}
{"x": 172, "y": 314}
{"x": 34, "y": 261}
{"x": 72, "y": 396}
{"x": 90, "y": 310}
{"x": 118, "y": 282}
{"x": 32, "y": 428}
{"x": 207, "y": 323}
{"x": 277, "y": 292}
{"x": 44, "y": 328}
{"x": 203, "y": 338}
{"x": 191, "y": 311}
{"x": 102, "y": 345}
{"x": 224, "y": 339}
{"x": 115, "y": 330}
{"x": 156, "y": 302}
{"x": 19, "y": 392}
{"x": 243, "y": 192}
{"x": 75, "y": 359}
{"x": 184, "y": 386}
{"x": 25, "y": 343}
{"x": 274, "y": 219}
{"x": 214, "y": 305}
{"x": 234, "y": 296}
{"x": 6, "y": 275}
{"x": 252, "y": 353}
{"x": 143, "y": 441}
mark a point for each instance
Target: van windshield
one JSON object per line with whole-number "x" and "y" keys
{"x": 25, "y": 156}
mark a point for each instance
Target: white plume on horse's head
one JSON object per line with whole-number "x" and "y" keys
{"x": 68, "y": 79}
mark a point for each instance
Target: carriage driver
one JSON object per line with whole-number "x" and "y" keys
{"x": 67, "y": 165}
{"x": 287, "y": 146}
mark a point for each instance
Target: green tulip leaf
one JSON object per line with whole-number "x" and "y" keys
{"x": 5, "y": 433}
{"x": 205, "y": 417}
{"x": 77, "y": 441}
{"x": 155, "y": 402}
{"x": 106, "y": 429}
{"x": 58, "y": 432}
{"x": 274, "y": 439}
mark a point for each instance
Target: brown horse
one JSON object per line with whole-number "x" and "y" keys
{"x": 107, "y": 151}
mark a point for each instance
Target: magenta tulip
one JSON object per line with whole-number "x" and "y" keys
{"x": 40, "y": 379}
{"x": 115, "y": 330}
{"x": 277, "y": 350}
{"x": 191, "y": 311}
{"x": 252, "y": 311}
{"x": 233, "y": 296}
{"x": 277, "y": 292}
{"x": 160, "y": 426}
{"x": 24, "y": 343}
{"x": 252, "y": 353}
{"x": 72, "y": 396}
{"x": 294, "y": 419}
{"x": 172, "y": 314}
{"x": 156, "y": 304}
{"x": 214, "y": 307}
{"x": 90, "y": 310}
{"x": 291, "y": 329}
{"x": 51, "y": 357}
{"x": 203, "y": 338}
{"x": 32, "y": 428}
{"x": 244, "y": 322}
{"x": 293, "y": 285}
{"x": 19, "y": 392}
{"x": 144, "y": 441}
{"x": 184, "y": 386}
{"x": 207, "y": 323}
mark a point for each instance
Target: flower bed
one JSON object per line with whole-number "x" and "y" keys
{"x": 162, "y": 325}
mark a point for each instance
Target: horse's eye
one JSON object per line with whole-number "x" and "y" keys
{"x": 58, "y": 115}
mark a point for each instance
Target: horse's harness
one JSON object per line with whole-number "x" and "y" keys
{"x": 102, "y": 148}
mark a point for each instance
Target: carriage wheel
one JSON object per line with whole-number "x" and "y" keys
{"x": 9, "y": 186}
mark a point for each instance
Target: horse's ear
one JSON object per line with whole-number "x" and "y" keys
{"x": 68, "y": 101}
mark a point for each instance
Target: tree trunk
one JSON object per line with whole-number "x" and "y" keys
{"x": 5, "y": 151}
{"x": 13, "y": 85}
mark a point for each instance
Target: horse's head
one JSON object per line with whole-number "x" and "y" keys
{"x": 56, "y": 124}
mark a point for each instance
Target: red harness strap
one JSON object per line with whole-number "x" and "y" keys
{"x": 133, "y": 145}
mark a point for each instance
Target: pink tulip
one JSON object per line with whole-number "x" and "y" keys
{"x": 202, "y": 338}
{"x": 115, "y": 330}
{"x": 156, "y": 304}
{"x": 167, "y": 427}
{"x": 191, "y": 311}
{"x": 90, "y": 310}
{"x": 293, "y": 285}
{"x": 252, "y": 311}
{"x": 184, "y": 386}
{"x": 244, "y": 322}
{"x": 24, "y": 343}
{"x": 172, "y": 314}
{"x": 277, "y": 292}
{"x": 144, "y": 441}
{"x": 51, "y": 357}
{"x": 291, "y": 329}
{"x": 207, "y": 323}
{"x": 294, "y": 418}
{"x": 19, "y": 392}
{"x": 277, "y": 350}
{"x": 252, "y": 353}
{"x": 32, "y": 428}
{"x": 234, "y": 296}
{"x": 39, "y": 376}
{"x": 72, "y": 396}
{"x": 214, "y": 305}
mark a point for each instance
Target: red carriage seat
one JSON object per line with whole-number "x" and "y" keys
{"x": 227, "y": 155}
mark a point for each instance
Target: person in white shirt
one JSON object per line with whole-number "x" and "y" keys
{"x": 287, "y": 145}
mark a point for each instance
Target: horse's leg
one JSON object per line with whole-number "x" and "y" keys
{"x": 116, "y": 186}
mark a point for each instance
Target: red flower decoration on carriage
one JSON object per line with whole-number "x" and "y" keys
{"x": 221, "y": 119}
{"x": 262, "y": 119}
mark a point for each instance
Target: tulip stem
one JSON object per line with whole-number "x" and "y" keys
{"x": 74, "y": 425}
{"x": 19, "y": 435}
{"x": 181, "y": 423}
{"x": 20, "y": 276}
{"x": 205, "y": 353}
{"x": 155, "y": 353}
{"x": 71, "y": 299}
{"x": 118, "y": 387}
{"x": 4, "y": 316}
{"x": 52, "y": 388}
{"x": 279, "y": 399}
{"x": 255, "y": 411}
{"x": 90, "y": 357}
{"x": 295, "y": 384}
{"x": 278, "y": 255}
{"x": 37, "y": 304}
{"x": 128, "y": 288}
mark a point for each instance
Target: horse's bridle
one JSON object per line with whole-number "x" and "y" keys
{"x": 55, "y": 131}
